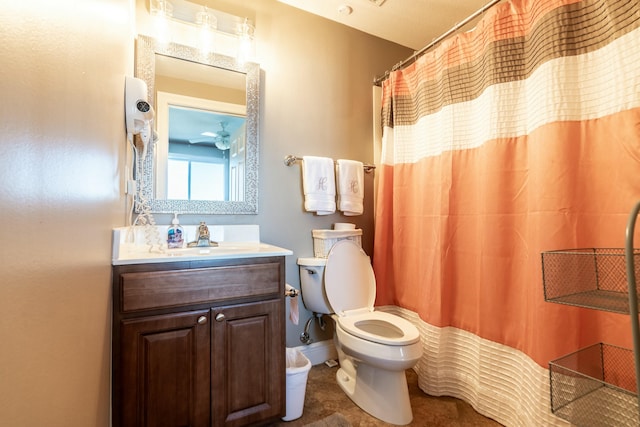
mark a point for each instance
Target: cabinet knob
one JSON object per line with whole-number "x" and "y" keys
{"x": 219, "y": 317}
{"x": 202, "y": 320}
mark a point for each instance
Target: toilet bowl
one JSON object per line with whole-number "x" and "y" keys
{"x": 374, "y": 347}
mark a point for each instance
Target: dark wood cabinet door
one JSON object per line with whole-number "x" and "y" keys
{"x": 165, "y": 370}
{"x": 248, "y": 363}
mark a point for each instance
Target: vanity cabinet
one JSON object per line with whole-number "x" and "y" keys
{"x": 199, "y": 343}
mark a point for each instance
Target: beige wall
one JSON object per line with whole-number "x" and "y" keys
{"x": 62, "y": 156}
{"x": 62, "y": 132}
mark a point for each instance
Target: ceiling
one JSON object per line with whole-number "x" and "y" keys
{"x": 410, "y": 23}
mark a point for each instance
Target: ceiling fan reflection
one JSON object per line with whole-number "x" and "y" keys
{"x": 221, "y": 139}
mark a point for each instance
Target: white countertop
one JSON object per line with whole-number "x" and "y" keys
{"x": 131, "y": 245}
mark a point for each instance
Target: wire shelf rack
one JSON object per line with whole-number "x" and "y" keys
{"x": 593, "y": 278}
{"x": 595, "y": 386}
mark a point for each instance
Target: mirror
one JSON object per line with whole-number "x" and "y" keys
{"x": 205, "y": 160}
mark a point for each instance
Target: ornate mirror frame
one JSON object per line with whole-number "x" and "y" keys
{"x": 145, "y": 68}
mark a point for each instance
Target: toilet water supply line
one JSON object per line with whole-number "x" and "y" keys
{"x": 304, "y": 336}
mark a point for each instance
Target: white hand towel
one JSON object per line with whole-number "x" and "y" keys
{"x": 350, "y": 176}
{"x": 319, "y": 183}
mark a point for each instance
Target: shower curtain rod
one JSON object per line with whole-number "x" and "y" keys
{"x": 378, "y": 80}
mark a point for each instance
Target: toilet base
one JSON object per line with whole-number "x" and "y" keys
{"x": 382, "y": 394}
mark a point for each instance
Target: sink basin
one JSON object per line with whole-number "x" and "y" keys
{"x": 130, "y": 246}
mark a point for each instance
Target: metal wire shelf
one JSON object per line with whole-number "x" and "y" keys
{"x": 592, "y": 278}
{"x": 595, "y": 386}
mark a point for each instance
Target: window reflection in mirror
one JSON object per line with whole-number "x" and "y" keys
{"x": 205, "y": 147}
{"x": 200, "y": 149}
{"x": 201, "y": 131}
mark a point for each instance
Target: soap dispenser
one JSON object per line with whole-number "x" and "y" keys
{"x": 175, "y": 234}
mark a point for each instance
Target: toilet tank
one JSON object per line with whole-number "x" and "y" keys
{"x": 312, "y": 285}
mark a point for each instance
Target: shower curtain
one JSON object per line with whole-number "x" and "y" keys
{"x": 520, "y": 136}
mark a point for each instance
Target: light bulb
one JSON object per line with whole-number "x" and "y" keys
{"x": 208, "y": 24}
{"x": 163, "y": 11}
{"x": 245, "y": 46}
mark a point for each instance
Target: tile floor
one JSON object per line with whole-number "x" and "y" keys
{"x": 324, "y": 397}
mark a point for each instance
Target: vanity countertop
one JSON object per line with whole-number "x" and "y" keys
{"x": 130, "y": 245}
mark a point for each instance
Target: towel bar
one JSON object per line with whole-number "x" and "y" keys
{"x": 290, "y": 159}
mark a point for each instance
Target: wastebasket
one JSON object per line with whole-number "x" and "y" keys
{"x": 298, "y": 367}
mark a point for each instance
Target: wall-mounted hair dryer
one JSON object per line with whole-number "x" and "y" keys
{"x": 138, "y": 111}
{"x": 138, "y": 116}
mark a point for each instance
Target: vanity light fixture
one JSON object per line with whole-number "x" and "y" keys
{"x": 214, "y": 28}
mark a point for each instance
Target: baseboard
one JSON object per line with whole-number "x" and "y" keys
{"x": 319, "y": 352}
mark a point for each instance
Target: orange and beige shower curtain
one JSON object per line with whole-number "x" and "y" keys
{"x": 520, "y": 136}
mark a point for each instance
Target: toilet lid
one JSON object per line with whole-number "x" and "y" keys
{"x": 348, "y": 278}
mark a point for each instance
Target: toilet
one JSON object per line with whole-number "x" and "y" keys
{"x": 374, "y": 348}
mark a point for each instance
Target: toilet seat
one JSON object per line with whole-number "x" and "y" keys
{"x": 350, "y": 286}
{"x": 380, "y": 327}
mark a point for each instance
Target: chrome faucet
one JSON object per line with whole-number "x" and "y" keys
{"x": 203, "y": 238}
